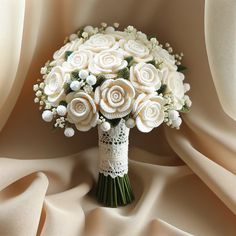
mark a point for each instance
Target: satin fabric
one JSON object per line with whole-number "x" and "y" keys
{"x": 184, "y": 180}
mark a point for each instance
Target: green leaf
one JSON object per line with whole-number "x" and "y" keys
{"x": 114, "y": 122}
{"x": 127, "y": 117}
{"x": 181, "y": 68}
{"x": 100, "y": 80}
{"x": 67, "y": 54}
{"x": 153, "y": 62}
{"x": 80, "y": 32}
{"x": 124, "y": 73}
{"x": 162, "y": 89}
{"x": 63, "y": 103}
{"x": 67, "y": 88}
{"x": 185, "y": 109}
{"x": 75, "y": 74}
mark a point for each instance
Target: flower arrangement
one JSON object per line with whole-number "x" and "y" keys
{"x": 116, "y": 80}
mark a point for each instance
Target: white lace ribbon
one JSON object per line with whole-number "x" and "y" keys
{"x": 113, "y": 150}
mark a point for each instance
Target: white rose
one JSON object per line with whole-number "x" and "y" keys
{"x": 174, "y": 83}
{"x": 78, "y": 60}
{"x": 71, "y": 46}
{"x": 145, "y": 77}
{"x": 107, "y": 62}
{"x": 136, "y": 49}
{"x": 81, "y": 111}
{"x": 54, "y": 85}
{"x": 148, "y": 111}
{"x": 115, "y": 98}
{"x": 162, "y": 55}
{"x": 100, "y": 42}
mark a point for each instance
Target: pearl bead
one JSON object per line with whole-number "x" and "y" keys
{"x": 75, "y": 85}
{"x": 105, "y": 126}
{"x": 47, "y": 116}
{"x": 110, "y": 29}
{"x": 61, "y": 110}
{"x": 88, "y": 29}
{"x": 83, "y": 74}
{"x": 69, "y": 132}
{"x": 91, "y": 80}
{"x": 130, "y": 123}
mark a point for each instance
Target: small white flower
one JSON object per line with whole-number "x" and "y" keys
{"x": 105, "y": 126}
{"x": 103, "y": 24}
{"x": 47, "y": 116}
{"x": 36, "y": 100}
{"x": 116, "y": 25}
{"x": 130, "y": 123}
{"x": 91, "y": 80}
{"x": 41, "y": 103}
{"x": 85, "y": 35}
{"x": 43, "y": 70}
{"x": 38, "y": 93}
{"x": 35, "y": 87}
{"x": 48, "y": 106}
{"x": 188, "y": 102}
{"x": 173, "y": 114}
{"x": 75, "y": 85}
{"x": 61, "y": 110}
{"x": 69, "y": 132}
{"x": 88, "y": 89}
{"x": 176, "y": 123}
{"x": 83, "y": 74}
{"x": 41, "y": 85}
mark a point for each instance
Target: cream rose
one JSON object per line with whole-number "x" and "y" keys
{"x": 145, "y": 77}
{"x": 115, "y": 98}
{"x": 107, "y": 62}
{"x": 54, "y": 85}
{"x": 174, "y": 83}
{"x": 78, "y": 60}
{"x": 101, "y": 42}
{"x": 71, "y": 46}
{"x": 167, "y": 59}
{"x": 137, "y": 49}
{"x": 82, "y": 111}
{"x": 148, "y": 111}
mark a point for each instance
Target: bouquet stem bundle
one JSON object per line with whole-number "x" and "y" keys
{"x": 114, "y": 188}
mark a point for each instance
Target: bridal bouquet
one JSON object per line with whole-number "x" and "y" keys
{"x": 116, "y": 80}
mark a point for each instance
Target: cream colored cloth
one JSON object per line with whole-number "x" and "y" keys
{"x": 184, "y": 182}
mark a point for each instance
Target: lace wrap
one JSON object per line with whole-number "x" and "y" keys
{"x": 113, "y": 150}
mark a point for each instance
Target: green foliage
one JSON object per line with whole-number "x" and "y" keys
{"x": 130, "y": 61}
{"x": 185, "y": 109}
{"x": 67, "y": 88}
{"x": 100, "y": 80}
{"x": 75, "y": 75}
{"x": 181, "y": 68}
{"x": 67, "y": 54}
{"x": 162, "y": 89}
{"x": 114, "y": 122}
{"x": 124, "y": 73}
{"x": 63, "y": 103}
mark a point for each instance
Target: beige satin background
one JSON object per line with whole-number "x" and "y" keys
{"x": 185, "y": 187}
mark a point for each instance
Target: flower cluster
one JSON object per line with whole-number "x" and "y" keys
{"x": 102, "y": 75}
